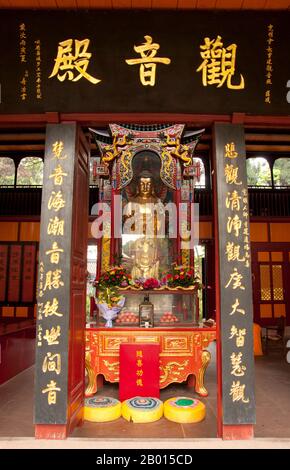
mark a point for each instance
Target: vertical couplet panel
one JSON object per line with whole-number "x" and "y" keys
{"x": 62, "y": 283}
{"x": 235, "y": 280}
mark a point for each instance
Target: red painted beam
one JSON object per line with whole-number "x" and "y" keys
{"x": 139, "y": 118}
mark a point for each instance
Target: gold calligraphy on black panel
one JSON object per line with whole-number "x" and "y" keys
{"x": 51, "y": 279}
{"x": 237, "y": 254}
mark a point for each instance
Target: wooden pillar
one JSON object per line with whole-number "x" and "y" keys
{"x": 116, "y": 227}
{"x": 112, "y": 241}
{"x": 235, "y": 355}
{"x": 60, "y": 342}
{"x": 178, "y": 226}
{"x": 210, "y": 278}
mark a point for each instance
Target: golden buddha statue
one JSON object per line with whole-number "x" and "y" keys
{"x": 146, "y": 262}
{"x": 145, "y": 248}
{"x": 145, "y": 190}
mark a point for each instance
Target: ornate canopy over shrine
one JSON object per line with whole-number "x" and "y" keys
{"x": 173, "y": 144}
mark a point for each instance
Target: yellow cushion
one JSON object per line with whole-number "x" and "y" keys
{"x": 142, "y": 409}
{"x": 184, "y": 410}
{"x": 102, "y": 409}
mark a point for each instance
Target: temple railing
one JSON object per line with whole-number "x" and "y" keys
{"x": 26, "y": 200}
{"x": 203, "y": 197}
{"x": 269, "y": 202}
{"x": 20, "y": 200}
{"x": 263, "y": 202}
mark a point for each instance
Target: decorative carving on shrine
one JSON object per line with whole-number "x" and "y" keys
{"x": 173, "y": 372}
{"x": 119, "y": 147}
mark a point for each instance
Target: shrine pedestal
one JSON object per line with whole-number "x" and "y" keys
{"x": 182, "y": 353}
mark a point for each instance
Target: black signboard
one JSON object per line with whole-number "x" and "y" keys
{"x": 235, "y": 276}
{"x": 3, "y": 271}
{"x": 29, "y": 273}
{"x": 14, "y": 273}
{"x": 18, "y": 264}
{"x": 54, "y": 276}
{"x": 144, "y": 61}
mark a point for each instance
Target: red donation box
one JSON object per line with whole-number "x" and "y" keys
{"x": 139, "y": 371}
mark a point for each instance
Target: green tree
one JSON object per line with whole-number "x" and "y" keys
{"x": 30, "y": 172}
{"x": 7, "y": 171}
{"x": 258, "y": 172}
{"x": 281, "y": 172}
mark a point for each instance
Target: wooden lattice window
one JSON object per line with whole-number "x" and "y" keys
{"x": 271, "y": 293}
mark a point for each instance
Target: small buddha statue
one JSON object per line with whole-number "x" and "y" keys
{"x": 146, "y": 263}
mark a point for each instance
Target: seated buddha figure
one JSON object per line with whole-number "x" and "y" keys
{"x": 145, "y": 248}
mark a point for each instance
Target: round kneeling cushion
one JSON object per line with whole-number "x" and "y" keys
{"x": 184, "y": 410}
{"x": 101, "y": 409}
{"x": 142, "y": 409}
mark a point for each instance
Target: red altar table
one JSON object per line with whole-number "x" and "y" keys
{"x": 182, "y": 353}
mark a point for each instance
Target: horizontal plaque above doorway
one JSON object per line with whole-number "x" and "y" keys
{"x": 142, "y": 61}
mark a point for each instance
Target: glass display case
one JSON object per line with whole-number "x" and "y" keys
{"x": 176, "y": 309}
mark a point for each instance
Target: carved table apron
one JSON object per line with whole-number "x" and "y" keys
{"x": 182, "y": 353}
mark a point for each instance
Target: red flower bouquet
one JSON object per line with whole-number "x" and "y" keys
{"x": 182, "y": 276}
{"x": 151, "y": 283}
{"x": 116, "y": 276}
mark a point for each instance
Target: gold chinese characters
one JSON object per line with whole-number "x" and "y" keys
{"x": 239, "y": 335}
{"x": 51, "y": 392}
{"x": 148, "y": 61}
{"x": 269, "y": 64}
{"x": 219, "y": 64}
{"x": 51, "y": 275}
{"x": 237, "y": 256}
{"x": 72, "y": 61}
{"x": 139, "y": 371}
{"x": 238, "y": 392}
